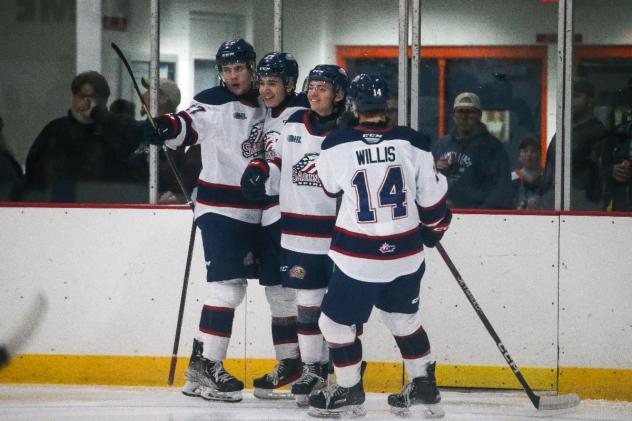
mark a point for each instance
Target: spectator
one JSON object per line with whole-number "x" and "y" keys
{"x": 76, "y": 156}
{"x": 11, "y": 176}
{"x": 474, "y": 162}
{"x": 527, "y": 180}
{"x": 124, "y": 107}
{"x": 616, "y": 169}
{"x": 188, "y": 163}
{"x": 587, "y": 140}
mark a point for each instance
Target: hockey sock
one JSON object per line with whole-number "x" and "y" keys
{"x": 347, "y": 361}
{"x": 415, "y": 350}
{"x": 310, "y": 339}
{"x": 284, "y": 337}
{"x": 216, "y": 326}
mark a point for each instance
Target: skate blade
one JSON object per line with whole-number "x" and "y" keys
{"x": 430, "y": 411}
{"x": 352, "y": 411}
{"x": 272, "y": 394}
{"x": 192, "y": 389}
{"x": 302, "y": 401}
{"x": 214, "y": 395}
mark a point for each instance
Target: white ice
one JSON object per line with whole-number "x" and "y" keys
{"x": 52, "y": 402}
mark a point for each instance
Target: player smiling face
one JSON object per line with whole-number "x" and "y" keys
{"x": 321, "y": 97}
{"x": 272, "y": 90}
{"x": 237, "y": 77}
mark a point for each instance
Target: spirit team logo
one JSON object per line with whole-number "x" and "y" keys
{"x": 270, "y": 140}
{"x": 253, "y": 147}
{"x": 304, "y": 171}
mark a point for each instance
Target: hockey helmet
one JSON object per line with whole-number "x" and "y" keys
{"x": 283, "y": 65}
{"x": 369, "y": 92}
{"x": 331, "y": 73}
{"x": 234, "y": 51}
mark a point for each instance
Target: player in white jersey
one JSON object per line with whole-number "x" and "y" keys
{"x": 277, "y": 73}
{"x": 227, "y": 122}
{"x": 307, "y": 214}
{"x": 393, "y": 203}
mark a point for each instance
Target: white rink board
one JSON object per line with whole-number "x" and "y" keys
{"x": 114, "y": 276}
{"x": 596, "y": 292}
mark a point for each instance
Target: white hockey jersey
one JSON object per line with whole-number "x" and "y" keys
{"x": 273, "y": 125}
{"x": 390, "y": 185}
{"x": 308, "y": 214}
{"x": 229, "y": 130}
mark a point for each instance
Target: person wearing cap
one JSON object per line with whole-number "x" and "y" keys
{"x": 474, "y": 161}
{"x": 588, "y": 137}
{"x": 188, "y": 162}
{"x": 76, "y": 157}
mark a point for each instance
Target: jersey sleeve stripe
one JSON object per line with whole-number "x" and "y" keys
{"x": 191, "y": 135}
{"x": 432, "y": 214}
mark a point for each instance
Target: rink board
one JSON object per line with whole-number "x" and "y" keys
{"x": 114, "y": 277}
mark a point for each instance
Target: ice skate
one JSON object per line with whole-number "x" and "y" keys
{"x": 192, "y": 385}
{"x": 338, "y": 401}
{"x": 311, "y": 382}
{"x": 420, "y": 391}
{"x": 217, "y": 384}
{"x": 284, "y": 373}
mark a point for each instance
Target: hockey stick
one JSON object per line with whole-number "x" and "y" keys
{"x": 24, "y": 331}
{"x": 187, "y": 268}
{"x": 540, "y": 402}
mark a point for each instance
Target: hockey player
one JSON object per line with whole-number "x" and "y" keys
{"x": 227, "y": 122}
{"x": 393, "y": 204}
{"x": 307, "y": 213}
{"x": 277, "y": 74}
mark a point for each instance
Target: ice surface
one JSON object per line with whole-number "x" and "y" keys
{"x": 53, "y": 402}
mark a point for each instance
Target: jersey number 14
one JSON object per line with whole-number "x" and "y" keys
{"x": 391, "y": 193}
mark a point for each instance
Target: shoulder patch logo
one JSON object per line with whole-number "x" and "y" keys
{"x": 294, "y": 138}
{"x": 239, "y": 116}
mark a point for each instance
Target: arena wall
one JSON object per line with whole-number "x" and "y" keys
{"x": 555, "y": 287}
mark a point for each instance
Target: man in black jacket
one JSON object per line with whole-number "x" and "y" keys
{"x": 474, "y": 162}
{"x": 79, "y": 157}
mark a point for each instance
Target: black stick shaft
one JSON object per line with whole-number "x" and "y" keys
{"x": 535, "y": 399}
{"x": 183, "y": 298}
{"x": 176, "y": 173}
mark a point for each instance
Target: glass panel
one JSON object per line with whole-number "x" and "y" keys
{"x": 39, "y": 58}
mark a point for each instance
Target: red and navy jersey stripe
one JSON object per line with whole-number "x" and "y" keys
{"x": 307, "y": 225}
{"x": 223, "y": 195}
{"x": 377, "y": 248}
{"x": 432, "y": 214}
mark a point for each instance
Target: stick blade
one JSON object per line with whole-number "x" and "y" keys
{"x": 558, "y": 402}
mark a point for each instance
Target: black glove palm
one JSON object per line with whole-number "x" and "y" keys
{"x": 253, "y": 180}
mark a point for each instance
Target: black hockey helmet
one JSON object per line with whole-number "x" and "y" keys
{"x": 331, "y": 73}
{"x": 236, "y": 50}
{"x": 369, "y": 92}
{"x": 283, "y": 65}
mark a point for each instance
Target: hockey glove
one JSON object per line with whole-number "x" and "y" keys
{"x": 253, "y": 181}
{"x": 168, "y": 126}
{"x": 430, "y": 236}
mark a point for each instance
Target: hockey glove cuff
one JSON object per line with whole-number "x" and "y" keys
{"x": 168, "y": 126}
{"x": 430, "y": 236}
{"x": 253, "y": 180}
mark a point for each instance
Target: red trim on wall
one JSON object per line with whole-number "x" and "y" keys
{"x": 90, "y": 205}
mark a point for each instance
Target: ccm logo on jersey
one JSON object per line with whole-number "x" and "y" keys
{"x": 387, "y": 248}
{"x": 372, "y": 137}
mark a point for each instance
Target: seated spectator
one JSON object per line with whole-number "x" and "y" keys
{"x": 80, "y": 157}
{"x": 11, "y": 177}
{"x": 474, "y": 162}
{"x": 527, "y": 180}
{"x": 616, "y": 169}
